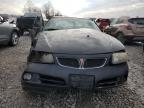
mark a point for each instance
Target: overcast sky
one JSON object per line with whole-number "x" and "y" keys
{"x": 82, "y": 8}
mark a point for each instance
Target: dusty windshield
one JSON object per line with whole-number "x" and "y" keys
{"x": 67, "y": 23}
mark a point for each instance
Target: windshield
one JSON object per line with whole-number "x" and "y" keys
{"x": 32, "y": 14}
{"x": 139, "y": 21}
{"x": 67, "y": 23}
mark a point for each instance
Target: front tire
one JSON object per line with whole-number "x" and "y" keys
{"x": 14, "y": 39}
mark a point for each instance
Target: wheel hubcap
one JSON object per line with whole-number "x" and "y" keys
{"x": 14, "y": 38}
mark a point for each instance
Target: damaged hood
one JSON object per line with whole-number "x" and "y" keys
{"x": 77, "y": 41}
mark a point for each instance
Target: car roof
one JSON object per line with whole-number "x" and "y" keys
{"x": 32, "y": 14}
{"x": 127, "y": 18}
{"x": 66, "y": 17}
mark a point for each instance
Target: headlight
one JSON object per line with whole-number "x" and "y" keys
{"x": 27, "y": 76}
{"x": 40, "y": 57}
{"x": 47, "y": 58}
{"x": 120, "y": 57}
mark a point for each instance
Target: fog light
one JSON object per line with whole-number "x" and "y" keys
{"x": 27, "y": 76}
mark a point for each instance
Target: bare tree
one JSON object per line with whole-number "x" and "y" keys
{"x": 58, "y": 13}
{"x": 48, "y": 10}
{"x": 30, "y": 7}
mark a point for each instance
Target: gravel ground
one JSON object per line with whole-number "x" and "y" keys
{"x": 13, "y": 62}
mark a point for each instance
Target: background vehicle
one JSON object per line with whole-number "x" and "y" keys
{"x": 33, "y": 20}
{"x": 103, "y": 23}
{"x": 127, "y": 29}
{"x": 9, "y": 33}
{"x": 5, "y": 17}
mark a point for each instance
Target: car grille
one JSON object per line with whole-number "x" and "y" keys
{"x": 90, "y": 63}
{"x": 69, "y": 62}
{"x": 28, "y": 22}
{"x": 85, "y": 63}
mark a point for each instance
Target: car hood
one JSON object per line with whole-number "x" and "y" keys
{"x": 77, "y": 41}
{"x": 7, "y": 24}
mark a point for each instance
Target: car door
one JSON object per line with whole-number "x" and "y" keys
{"x": 137, "y": 26}
{"x": 4, "y": 31}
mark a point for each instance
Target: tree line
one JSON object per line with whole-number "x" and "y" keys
{"x": 47, "y": 9}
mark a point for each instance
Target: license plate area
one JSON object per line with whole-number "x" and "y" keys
{"x": 82, "y": 81}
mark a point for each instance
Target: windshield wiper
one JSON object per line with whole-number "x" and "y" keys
{"x": 49, "y": 29}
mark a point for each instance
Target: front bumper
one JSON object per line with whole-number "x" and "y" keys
{"x": 46, "y": 75}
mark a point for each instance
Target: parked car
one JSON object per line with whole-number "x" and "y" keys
{"x": 73, "y": 52}
{"x": 127, "y": 29}
{"x": 28, "y": 21}
{"x": 5, "y": 17}
{"x": 103, "y": 23}
{"x": 9, "y": 33}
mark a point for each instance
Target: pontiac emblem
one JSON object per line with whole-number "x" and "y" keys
{"x": 81, "y": 63}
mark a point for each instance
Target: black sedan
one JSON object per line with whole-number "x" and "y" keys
{"x": 73, "y": 52}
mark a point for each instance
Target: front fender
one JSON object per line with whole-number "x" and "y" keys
{"x": 15, "y": 29}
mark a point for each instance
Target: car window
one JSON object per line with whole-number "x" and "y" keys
{"x": 33, "y": 14}
{"x": 139, "y": 21}
{"x": 119, "y": 21}
{"x": 113, "y": 22}
{"x": 63, "y": 23}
